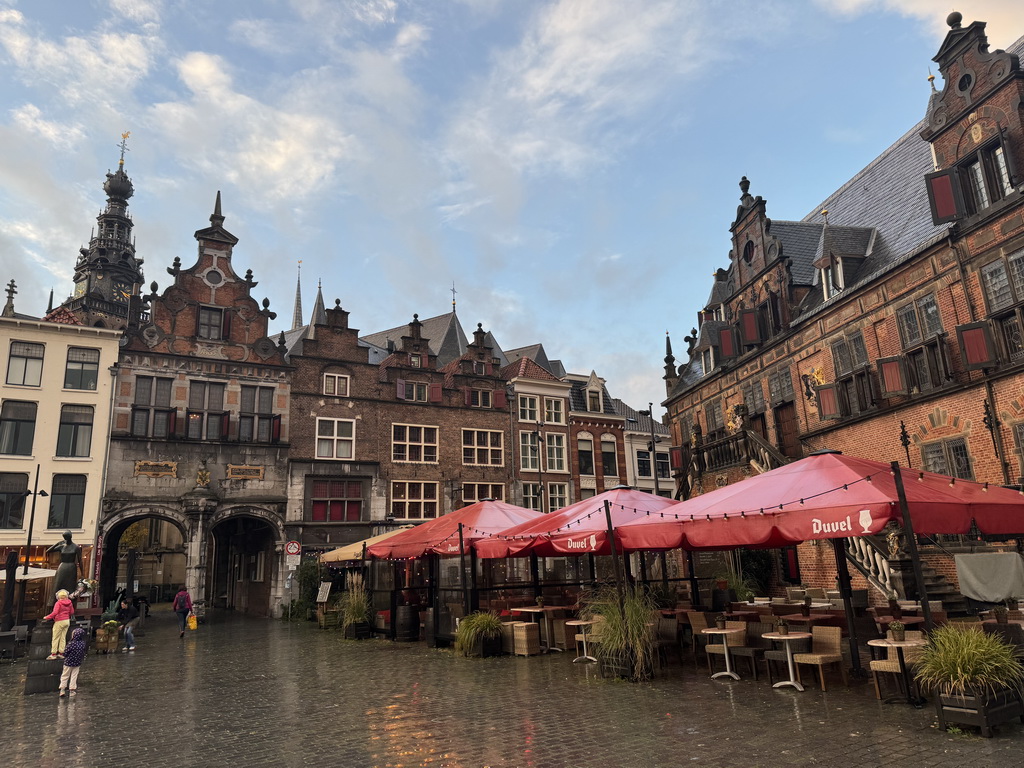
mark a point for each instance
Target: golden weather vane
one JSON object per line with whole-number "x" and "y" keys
{"x": 124, "y": 146}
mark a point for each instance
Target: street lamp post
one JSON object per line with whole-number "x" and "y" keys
{"x": 652, "y": 445}
{"x": 35, "y": 493}
{"x": 540, "y": 466}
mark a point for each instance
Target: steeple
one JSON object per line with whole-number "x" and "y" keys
{"x": 108, "y": 273}
{"x": 12, "y": 289}
{"x": 319, "y": 316}
{"x": 297, "y": 313}
{"x": 670, "y": 360}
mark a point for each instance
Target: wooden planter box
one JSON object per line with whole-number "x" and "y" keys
{"x": 619, "y": 665}
{"x": 358, "y": 631}
{"x": 985, "y": 710}
{"x": 329, "y": 618}
{"x": 106, "y": 641}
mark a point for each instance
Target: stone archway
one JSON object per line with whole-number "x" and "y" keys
{"x": 155, "y": 563}
{"x": 244, "y": 553}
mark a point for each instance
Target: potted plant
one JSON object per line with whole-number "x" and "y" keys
{"x": 975, "y": 676}
{"x": 106, "y": 636}
{"x": 899, "y": 632}
{"x": 479, "y": 634}
{"x": 627, "y": 642}
{"x": 720, "y": 621}
{"x": 1001, "y": 614}
{"x": 355, "y": 612}
{"x": 540, "y": 601}
{"x": 782, "y": 626}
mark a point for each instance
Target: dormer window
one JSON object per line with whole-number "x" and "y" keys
{"x": 707, "y": 361}
{"x": 479, "y": 368}
{"x": 979, "y": 180}
{"x": 415, "y": 361}
{"x": 832, "y": 278}
{"x": 594, "y": 401}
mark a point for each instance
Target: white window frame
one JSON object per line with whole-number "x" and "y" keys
{"x": 29, "y": 373}
{"x": 554, "y": 444}
{"x": 532, "y": 496}
{"x": 471, "y": 492}
{"x": 419, "y": 392}
{"x": 336, "y": 439}
{"x": 528, "y": 405}
{"x": 529, "y": 452}
{"x": 427, "y": 503}
{"x": 479, "y": 398}
{"x": 554, "y": 410}
{"x": 495, "y": 454}
{"x": 423, "y": 444}
{"x": 558, "y": 496}
{"x": 336, "y": 379}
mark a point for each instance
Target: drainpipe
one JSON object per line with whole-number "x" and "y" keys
{"x": 996, "y": 431}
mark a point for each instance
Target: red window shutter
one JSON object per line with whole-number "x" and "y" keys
{"x": 828, "y": 402}
{"x": 749, "y": 332}
{"x": 726, "y": 343}
{"x": 225, "y": 425}
{"x": 675, "y": 456}
{"x": 319, "y": 511}
{"x": 225, "y": 330}
{"x": 976, "y": 346}
{"x": 353, "y": 511}
{"x": 400, "y": 389}
{"x": 172, "y": 424}
{"x": 199, "y": 309}
{"x": 944, "y": 196}
{"x": 893, "y": 376}
{"x": 275, "y": 428}
{"x": 468, "y": 396}
{"x": 500, "y": 399}
{"x": 436, "y": 393}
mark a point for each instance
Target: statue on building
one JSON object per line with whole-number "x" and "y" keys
{"x": 203, "y": 476}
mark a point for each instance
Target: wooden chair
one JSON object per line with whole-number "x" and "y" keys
{"x": 755, "y": 646}
{"x": 826, "y": 648}
{"x": 891, "y": 664}
{"x": 734, "y": 641}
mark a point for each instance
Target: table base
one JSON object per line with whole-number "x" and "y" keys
{"x": 792, "y": 683}
{"x": 729, "y": 674}
{"x": 583, "y": 658}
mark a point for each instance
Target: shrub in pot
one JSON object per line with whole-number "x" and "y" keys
{"x": 627, "y": 641}
{"x": 355, "y": 612}
{"x": 782, "y": 626}
{"x": 974, "y": 675}
{"x": 898, "y": 630}
{"x": 1001, "y": 614}
{"x": 479, "y": 634}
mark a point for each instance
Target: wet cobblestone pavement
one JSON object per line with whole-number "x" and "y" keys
{"x": 249, "y": 692}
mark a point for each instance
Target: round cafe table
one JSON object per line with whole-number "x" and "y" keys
{"x": 899, "y": 645}
{"x": 786, "y": 639}
{"x": 585, "y": 631}
{"x": 725, "y": 643}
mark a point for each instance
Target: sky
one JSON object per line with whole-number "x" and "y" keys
{"x": 571, "y": 166}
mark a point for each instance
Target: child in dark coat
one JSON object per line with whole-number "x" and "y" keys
{"x": 74, "y": 655}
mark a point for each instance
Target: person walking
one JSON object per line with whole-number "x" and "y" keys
{"x": 61, "y": 615}
{"x": 183, "y": 607}
{"x": 74, "y": 655}
{"x": 128, "y": 616}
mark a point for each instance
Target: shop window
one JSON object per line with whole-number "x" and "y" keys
{"x": 335, "y": 500}
{"x": 414, "y": 443}
{"x": 335, "y": 438}
{"x": 13, "y": 495}
{"x": 25, "y": 365}
{"x": 482, "y": 447}
{"x": 67, "y": 501}
{"x": 82, "y": 369}
{"x": 17, "y": 427}
{"x": 152, "y": 415}
{"x": 74, "y": 435}
{"x": 948, "y": 457}
{"x": 413, "y": 500}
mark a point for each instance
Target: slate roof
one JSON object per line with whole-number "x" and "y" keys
{"x": 526, "y": 368}
{"x": 643, "y": 423}
{"x": 578, "y": 398}
{"x": 536, "y": 353}
{"x": 443, "y": 334}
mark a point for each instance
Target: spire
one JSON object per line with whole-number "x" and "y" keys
{"x": 297, "y": 313}
{"x": 670, "y": 360}
{"x": 453, "y": 295}
{"x": 9, "y": 306}
{"x": 319, "y": 316}
{"x": 49, "y": 306}
{"x": 217, "y": 219}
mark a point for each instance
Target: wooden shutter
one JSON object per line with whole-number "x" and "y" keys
{"x": 436, "y": 393}
{"x": 726, "y": 342}
{"x": 976, "y": 346}
{"x": 675, "y": 457}
{"x": 275, "y": 428}
{"x": 500, "y": 399}
{"x": 893, "y": 376}
{"x": 172, "y": 424}
{"x": 944, "y": 196}
{"x": 400, "y": 390}
{"x": 749, "y": 332}
{"x": 199, "y": 310}
{"x": 828, "y": 402}
{"x": 225, "y": 425}
{"x": 1011, "y": 167}
{"x": 467, "y": 395}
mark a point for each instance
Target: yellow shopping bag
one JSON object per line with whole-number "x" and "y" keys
{"x": 193, "y": 622}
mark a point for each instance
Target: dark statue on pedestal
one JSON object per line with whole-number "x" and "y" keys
{"x": 70, "y": 563}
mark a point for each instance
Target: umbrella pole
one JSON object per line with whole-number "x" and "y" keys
{"x": 615, "y": 559}
{"x": 664, "y": 570}
{"x": 843, "y": 571}
{"x": 462, "y": 573}
{"x": 915, "y": 555}
{"x": 694, "y": 586}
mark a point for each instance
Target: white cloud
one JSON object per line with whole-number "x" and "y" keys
{"x": 29, "y": 118}
{"x": 140, "y": 11}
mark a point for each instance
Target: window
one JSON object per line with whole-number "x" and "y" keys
{"x": 335, "y": 438}
{"x": 707, "y": 361}
{"x": 558, "y": 496}
{"x": 415, "y": 361}
{"x": 413, "y": 500}
{"x": 207, "y": 419}
{"x": 25, "y": 366}
{"x": 482, "y": 448}
{"x": 832, "y": 278}
{"x": 336, "y": 501}
{"x": 553, "y": 413}
{"x": 1003, "y": 284}
{"x": 479, "y": 398}
{"x": 531, "y": 496}
{"x": 336, "y": 384}
{"x": 474, "y": 492}
{"x": 256, "y": 421}
{"x": 923, "y": 365}
{"x": 13, "y": 493}
{"x": 643, "y": 463}
{"x": 852, "y": 391}
{"x": 74, "y": 436}
{"x": 414, "y": 443}
{"x": 82, "y": 368}
{"x": 609, "y": 463}
{"x": 753, "y": 397}
{"x": 981, "y": 179}
{"x": 210, "y": 324}
{"x": 415, "y": 392}
{"x": 594, "y": 400}
{"x": 555, "y": 445}
{"x": 152, "y": 415}
{"x": 713, "y": 418}
{"x": 67, "y": 501}
{"x": 17, "y": 427}
{"x": 661, "y": 465}
{"x": 780, "y": 386}
{"x": 585, "y": 451}
{"x": 259, "y": 566}
{"x": 529, "y": 455}
{"x": 948, "y": 457}
{"x": 527, "y": 408}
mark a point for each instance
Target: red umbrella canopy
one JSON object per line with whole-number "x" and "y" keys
{"x": 441, "y": 535}
{"x": 578, "y": 529}
{"x": 824, "y": 496}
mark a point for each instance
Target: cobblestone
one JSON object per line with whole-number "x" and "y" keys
{"x": 249, "y": 692}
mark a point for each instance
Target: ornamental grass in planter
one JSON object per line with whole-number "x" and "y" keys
{"x": 627, "y": 642}
{"x": 975, "y": 676}
{"x": 479, "y": 634}
{"x": 355, "y": 612}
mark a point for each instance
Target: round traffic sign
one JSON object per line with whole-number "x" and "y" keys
{"x": 292, "y": 548}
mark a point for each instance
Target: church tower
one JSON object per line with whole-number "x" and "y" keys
{"x": 108, "y": 274}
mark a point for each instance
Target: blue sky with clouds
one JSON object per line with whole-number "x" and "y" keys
{"x": 572, "y": 165}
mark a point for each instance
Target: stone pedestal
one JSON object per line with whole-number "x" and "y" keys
{"x": 43, "y": 674}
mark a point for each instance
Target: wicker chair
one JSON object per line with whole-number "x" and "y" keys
{"x": 735, "y": 640}
{"x": 698, "y": 621}
{"x": 815, "y": 593}
{"x": 755, "y": 646}
{"x": 826, "y": 648}
{"x": 891, "y": 664}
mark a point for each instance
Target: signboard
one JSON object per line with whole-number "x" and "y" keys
{"x": 292, "y": 561}
{"x": 156, "y": 468}
{"x": 325, "y": 590}
{"x": 292, "y": 548}
{"x": 244, "y": 472}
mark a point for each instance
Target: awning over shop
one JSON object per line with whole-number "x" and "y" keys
{"x": 354, "y": 551}
{"x": 578, "y": 529}
{"x": 441, "y": 535}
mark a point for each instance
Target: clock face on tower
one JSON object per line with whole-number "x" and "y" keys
{"x": 80, "y": 287}
{"x": 122, "y": 292}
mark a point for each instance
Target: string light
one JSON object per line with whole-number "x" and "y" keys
{"x": 920, "y": 477}
{"x": 984, "y": 488}
{"x": 952, "y": 482}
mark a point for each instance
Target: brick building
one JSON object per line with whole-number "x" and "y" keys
{"x": 886, "y": 323}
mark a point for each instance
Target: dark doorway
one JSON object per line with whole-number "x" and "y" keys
{"x": 243, "y": 565}
{"x": 786, "y": 430}
{"x": 144, "y": 557}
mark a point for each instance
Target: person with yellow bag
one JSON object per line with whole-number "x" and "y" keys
{"x": 183, "y": 607}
